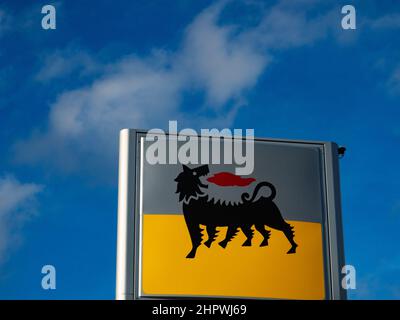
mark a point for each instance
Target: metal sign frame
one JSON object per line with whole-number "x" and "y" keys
{"x": 128, "y": 273}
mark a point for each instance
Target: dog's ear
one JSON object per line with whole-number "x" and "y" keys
{"x": 186, "y": 168}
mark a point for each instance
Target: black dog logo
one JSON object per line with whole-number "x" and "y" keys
{"x": 198, "y": 210}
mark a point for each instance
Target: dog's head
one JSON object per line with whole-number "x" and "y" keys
{"x": 189, "y": 183}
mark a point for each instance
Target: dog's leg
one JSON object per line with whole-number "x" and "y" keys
{"x": 212, "y": 234}
{"x": 248, "y": 232}
{"x": 230, "y": 234}
{"x": 287, "y": 229}
{"x": 265, "y": 233}
{"x": 195, "y": 235}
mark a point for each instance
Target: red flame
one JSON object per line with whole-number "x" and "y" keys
{"x": 227, "y": 179}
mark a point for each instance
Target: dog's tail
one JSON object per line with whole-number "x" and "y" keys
{"x": 246, "y": 196}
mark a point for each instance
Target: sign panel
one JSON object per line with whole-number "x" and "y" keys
{"x": 200, "y": 229}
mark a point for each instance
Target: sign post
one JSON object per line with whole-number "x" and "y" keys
{"x": 197, "y": 227}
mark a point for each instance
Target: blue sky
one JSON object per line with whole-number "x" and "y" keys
{"x": 285, "y": 68}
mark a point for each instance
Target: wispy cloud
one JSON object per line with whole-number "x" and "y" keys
{"x": 381, "y": 282}
{"x": 4, "y": 21}
{"x": 393, "y": 83}
{"x": 17, "y": 205}
{"x": 389, "y": 21}
{"x": 219, "y": 61}
{"x": 62, "y": 63}
{"x": 389, "y": 64}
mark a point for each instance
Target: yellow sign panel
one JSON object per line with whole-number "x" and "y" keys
{"x": 236, "y": 271}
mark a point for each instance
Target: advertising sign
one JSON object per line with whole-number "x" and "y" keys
{"x": 199, "y": 219}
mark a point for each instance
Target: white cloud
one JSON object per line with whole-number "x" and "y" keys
{"x": 290, "y": 24}
{"x": 84, "y": 123}
{"x": 394, "y": 81}
{"x": 4, "y": 21}
{"x": 389, "y": 21}
{"x": 220, "y": 61}
{"x": 17, "y": 205}
{"x": 386, "y": 23}
{"x": 380, "y": 282}
{"x": 62, "y": 63}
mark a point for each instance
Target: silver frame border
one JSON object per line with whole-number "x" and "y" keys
{"x": 128, "y": 271}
